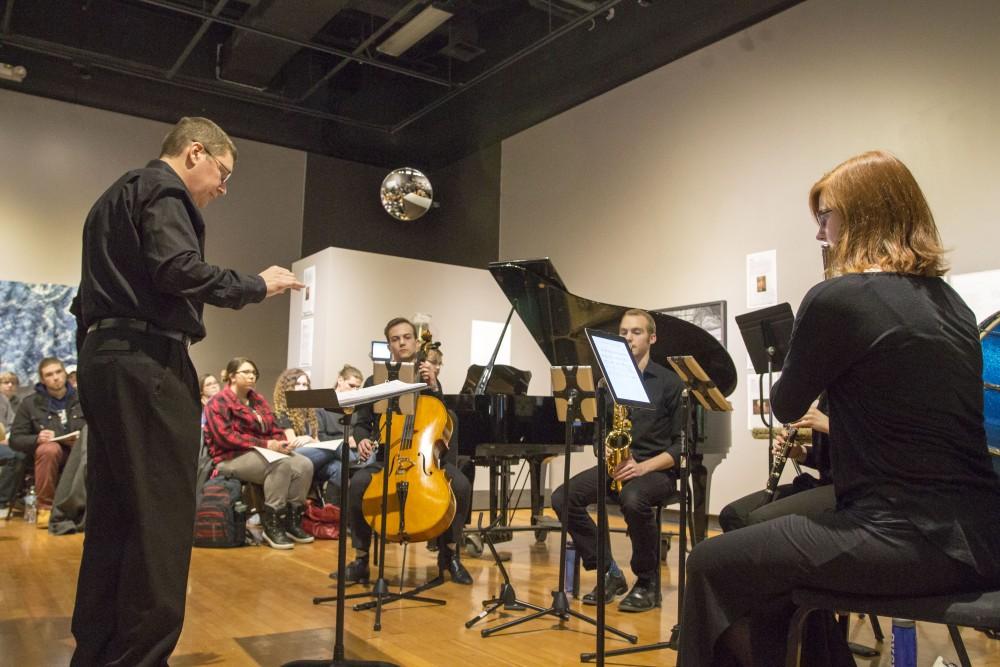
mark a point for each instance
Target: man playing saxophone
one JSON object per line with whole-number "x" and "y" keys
{"x": 647, "y": 477}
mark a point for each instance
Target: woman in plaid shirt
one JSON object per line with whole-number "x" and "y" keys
{"x": 238, "y": 425}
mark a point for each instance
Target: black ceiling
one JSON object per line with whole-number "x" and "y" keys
{"x": 307, "y": 74}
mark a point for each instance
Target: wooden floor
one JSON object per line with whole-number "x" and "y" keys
{"x": 232, "y": 621}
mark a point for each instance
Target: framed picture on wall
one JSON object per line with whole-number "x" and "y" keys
{"x": 710, "y": 316}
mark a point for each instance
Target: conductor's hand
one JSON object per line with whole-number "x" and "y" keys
{"x": 45, "y": 435}
{"x": 365, "y": 449}
{"x": 814, "y": 419}
{"x": 629, "y": 469}
{"x": 279, "y": 280}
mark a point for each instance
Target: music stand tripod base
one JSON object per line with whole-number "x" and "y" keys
{"x": 507, "y": 597}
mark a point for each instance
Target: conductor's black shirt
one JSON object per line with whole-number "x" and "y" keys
{"x": 144, "y": 257}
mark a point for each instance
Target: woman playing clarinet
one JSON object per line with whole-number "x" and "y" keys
{"x": 898, "y": 354}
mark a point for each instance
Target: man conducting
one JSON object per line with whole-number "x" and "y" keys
{"x": 647, "y": 476}
{"x": 143, "y": 287}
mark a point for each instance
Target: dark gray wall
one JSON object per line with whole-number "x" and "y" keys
{"x": 342, "y": 209}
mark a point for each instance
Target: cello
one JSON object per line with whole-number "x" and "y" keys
{"x": 420, "y": 504}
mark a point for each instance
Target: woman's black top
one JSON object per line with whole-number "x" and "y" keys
{"x": 900, "y": 359}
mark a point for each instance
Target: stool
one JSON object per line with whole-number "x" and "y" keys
{"x": 980, "y": 610}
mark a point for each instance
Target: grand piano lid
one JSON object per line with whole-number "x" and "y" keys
{"x": 557, "y": 319}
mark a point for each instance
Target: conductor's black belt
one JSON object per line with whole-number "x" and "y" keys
{"x": 139, "y": 325}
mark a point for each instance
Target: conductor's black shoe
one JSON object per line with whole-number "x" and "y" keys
{"x": 356, "y": 572}
{"x": 642, "y": 597}
{"x": 614, "y": 584}
{"x": 458, "y": 572}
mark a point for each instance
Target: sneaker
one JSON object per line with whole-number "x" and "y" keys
{"x": 4, "y": 513}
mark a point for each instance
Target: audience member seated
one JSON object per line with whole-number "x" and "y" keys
{"x": 209, "y": 387}
{"x": 42, "y": 428}
{"x": 305, "y": 426}
{"x": 9, "y": 385}
{"x": 11, "y": 462}
{"x": 238, "y": 419}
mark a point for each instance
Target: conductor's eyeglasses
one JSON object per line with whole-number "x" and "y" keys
{"x": 224, "y": 171}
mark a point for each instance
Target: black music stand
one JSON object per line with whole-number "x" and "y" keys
{"x": 700, "y": 385}
{"x": 622, "y": 379}
{"x": 573, "y": 390}
{"x": 327, "y": 398}
{"x": 402, "y": 404}
{"x": 766, "y": 334}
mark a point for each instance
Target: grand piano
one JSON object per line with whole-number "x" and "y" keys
{"x": 499, "y": 422}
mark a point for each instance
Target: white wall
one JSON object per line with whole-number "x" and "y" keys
{"x": 57, "y": 158}
{"x": 652, "y": 194}
{"x": 358, "y": 292}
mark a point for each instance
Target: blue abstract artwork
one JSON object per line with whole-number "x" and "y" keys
{"x": 35, "y": 322}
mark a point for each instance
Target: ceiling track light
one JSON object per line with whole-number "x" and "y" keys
{"x": 413, "y": 31}
{"x": 15, "y": 73}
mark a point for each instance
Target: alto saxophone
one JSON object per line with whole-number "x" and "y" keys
{"x": 618, "y": 442}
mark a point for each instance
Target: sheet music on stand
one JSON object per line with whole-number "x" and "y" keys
{"x": 621, "y": 373}
{"x": 348, "y": 400}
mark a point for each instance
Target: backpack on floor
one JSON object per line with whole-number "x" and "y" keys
{"x": 221, "y": 519}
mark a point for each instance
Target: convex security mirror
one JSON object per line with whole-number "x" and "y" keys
{"x": 406, "y": 194}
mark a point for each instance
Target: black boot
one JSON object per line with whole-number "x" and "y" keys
{"x": 448, "y": 560}
{"x": 274, "y": 528}
{"x": 293, "y": 524}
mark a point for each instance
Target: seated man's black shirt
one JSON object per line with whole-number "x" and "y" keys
{"x": 658, "y": 430}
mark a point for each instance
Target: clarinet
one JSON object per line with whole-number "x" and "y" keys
{"x": 778, "y": 466}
